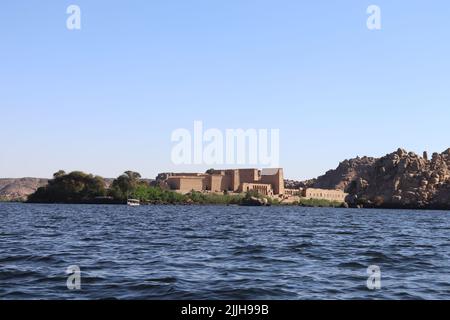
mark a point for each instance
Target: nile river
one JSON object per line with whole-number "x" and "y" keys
{"x": 215, "y": 252}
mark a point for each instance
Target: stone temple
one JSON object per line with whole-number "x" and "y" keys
{"x": 268, "y": 182}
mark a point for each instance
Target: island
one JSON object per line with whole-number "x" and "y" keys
{"x": 401, "y": 179}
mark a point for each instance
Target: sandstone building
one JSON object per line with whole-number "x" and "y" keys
{"x": 268, "y": 182}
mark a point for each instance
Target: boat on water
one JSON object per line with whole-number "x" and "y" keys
{"x": 133, "y": 202}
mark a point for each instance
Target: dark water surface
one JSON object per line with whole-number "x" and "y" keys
{"x": 177, "y": 252}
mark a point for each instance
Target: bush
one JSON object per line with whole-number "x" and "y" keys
{"x": 75, "y": 187}
{"x": 318, "y": 203}
{"x": 213, "y": 198}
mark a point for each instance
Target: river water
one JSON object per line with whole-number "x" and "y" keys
{"x": 219, "y": 252}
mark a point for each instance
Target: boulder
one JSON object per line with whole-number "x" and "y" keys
{"x": 402, "y": 178}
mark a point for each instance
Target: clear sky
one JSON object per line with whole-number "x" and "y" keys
{"x": 106, "y": 98}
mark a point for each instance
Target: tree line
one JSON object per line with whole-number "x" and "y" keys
{"x": 80, "y": 187}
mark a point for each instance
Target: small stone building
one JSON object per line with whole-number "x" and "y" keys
{"x": 330, "y": 195}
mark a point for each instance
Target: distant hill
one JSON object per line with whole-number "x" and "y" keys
{"x": 19, "y": 189}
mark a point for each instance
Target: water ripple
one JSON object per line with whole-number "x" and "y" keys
{"x": 188, "y": 252}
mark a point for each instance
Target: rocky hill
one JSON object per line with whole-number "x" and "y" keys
{"x": 345, "y": 173}
{"x": 19, "y": 189}
{"x": 294, "y": 184}
{"x": 398, "y": 180}
{"x": 338, "y": 178}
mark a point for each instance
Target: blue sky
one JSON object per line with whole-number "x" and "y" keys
{"x": 106, "y": 98}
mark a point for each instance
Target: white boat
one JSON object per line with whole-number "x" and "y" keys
{"x": 133, "y": 202}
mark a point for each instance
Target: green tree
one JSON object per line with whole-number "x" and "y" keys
{"x": 125, "y": 185}
{"x": 75, "y": 187}
{"x": 58, "y": 174}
